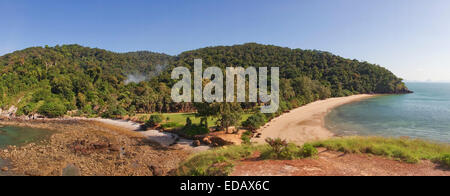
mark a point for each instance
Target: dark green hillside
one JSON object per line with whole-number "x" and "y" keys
{"x": 76, "y": 77}
{"x": 332, "y": 71}
{"x": 91, "y": 81}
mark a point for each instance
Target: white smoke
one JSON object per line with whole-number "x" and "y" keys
{"x": 135, "y": 78}
{"x": 140, "y": 77}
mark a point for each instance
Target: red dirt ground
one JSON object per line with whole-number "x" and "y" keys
{"x": 330, "y": 163}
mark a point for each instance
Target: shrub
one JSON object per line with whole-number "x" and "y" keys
{"x": 188, "y": 122}
{"x": 254, "y": 122}
{"x": 282, "y": 150}
{"x": 277, "y": 145}
{"x": 308, "y": 150}
{"x": 288, "y": 152}
{"x": 27, "y": 109}
{"x": 87, "y": 109}
{"x": 246, "y": 137}
{"x": 41, "y": 95}
{"x": 445, "y": 160}
{"x": 193, "y": 130}
{"x": 154, "y": 120}
{"x": 52, "y": 109}
{"x": 291, "y": 152}
{"x": 114, "y": 111}
{"x": 218, "y": 161}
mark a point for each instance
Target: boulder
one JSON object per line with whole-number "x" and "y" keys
{"x": 32, "y": 172}
{"x": 218, "y": 141}
{"x": 207, "y": 140}
{"x": 157, "y": 171}
{"x": 114, "y": 148}
{"x": 196, "y": 143}
{"x": 71, "y": 170}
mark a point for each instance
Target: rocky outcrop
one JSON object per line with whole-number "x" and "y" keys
{"x": 404, "y": 91}
{"x": 87, "y": 149}
{"x": 10, "y": 113}
{"x": 215, "y": 140}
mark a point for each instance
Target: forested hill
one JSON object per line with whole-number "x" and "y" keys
{"x": 95, "y": 82}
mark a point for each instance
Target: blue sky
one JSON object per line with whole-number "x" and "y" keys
{"x": 409, "y": 37}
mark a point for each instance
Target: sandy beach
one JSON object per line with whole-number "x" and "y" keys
{"x": 306, "y": 123}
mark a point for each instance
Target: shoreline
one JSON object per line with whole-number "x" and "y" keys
{"x": 306, "y": 123}
{"x": 90, "y": 147}
{"x": 125, "y": 127}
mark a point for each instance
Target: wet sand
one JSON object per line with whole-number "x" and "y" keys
{"x": 306, "y": 123}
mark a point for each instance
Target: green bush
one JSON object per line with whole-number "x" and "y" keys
{"x": 52, "y": 109}
{"x": 279, "y": 149}
{"x": 246, "y": 137}
{"x": 42, "y": 95}
{"x": 193, "y": 130}
{"x": 114, "y": 111}
{"x": 154, "y": 120}
{"x": 87, "y": 109}
{"x": 188, "y": 122}
{"x": 282, "y": 150}
{"x": 277, "y": 144}
{"x": 445, "y": 160}
{"x": 27, "y": 109}
{"x": 308, "y": 150}
{"x": 254, "y": 122}
{"x": 289, "y": 152}
{"x": 218, "y": 161}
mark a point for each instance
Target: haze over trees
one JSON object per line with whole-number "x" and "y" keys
{"x": 77, "y": 80}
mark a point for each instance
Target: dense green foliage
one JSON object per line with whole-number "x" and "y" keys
{"x": 254, "y": 122}
{"x": 445, "y": 160}
{"x": 52, "y": 109}
{"x": 94, "y": 82}
{"x": 193, "y": 130}
{"x": 154, "y": 120}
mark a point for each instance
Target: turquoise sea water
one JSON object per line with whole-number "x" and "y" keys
{"x": 18, "y": 136}
{"x": 10, "y": 135}
{"x": 424, "y": 114}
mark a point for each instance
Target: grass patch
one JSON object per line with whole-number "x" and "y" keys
{"x": 193, "y": 130}
{"x": 407, "y": 150}
{"x": 282, "y": 150}
{"x": 221, "y": 161}
{"x": 171, "y": 125}
{"x": 217, "y": 162}
{"x": 445, "y": 160}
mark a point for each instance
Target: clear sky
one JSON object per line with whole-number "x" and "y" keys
{"x": 409, "y": 37}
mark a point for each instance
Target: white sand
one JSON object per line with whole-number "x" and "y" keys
{"x": 133, "y": 126}
{"x": 163, "y": 138}
{"x": 306, "y": 123}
